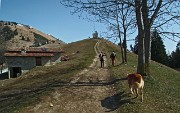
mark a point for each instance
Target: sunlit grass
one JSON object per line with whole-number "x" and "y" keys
{"x": 39, "y": 81}
{"x": 161, "y": 92}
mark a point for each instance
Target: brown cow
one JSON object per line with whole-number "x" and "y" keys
{"x": 136, "y": 84}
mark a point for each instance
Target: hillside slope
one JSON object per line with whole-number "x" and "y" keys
{"x": 28, "y": 92}
{"x": 161, "y": 92}
{"x": 87, "y": 92}
{"x": 29, "y": 88}
{"x": 19, "y": 35}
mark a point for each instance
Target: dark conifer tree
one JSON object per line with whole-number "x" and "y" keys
{"x": 175, "y": 57}
{"x": 135, "y": 49}
{"x": 158, "y": 51}
{"x": 171, "y": 60}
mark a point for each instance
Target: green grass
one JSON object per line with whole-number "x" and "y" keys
{"x": 161, "y": 92}
{"x": 27, "y": 89}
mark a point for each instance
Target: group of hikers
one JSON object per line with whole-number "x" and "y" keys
{"x": 112, "y": 56}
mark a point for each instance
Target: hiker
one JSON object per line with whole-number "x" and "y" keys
{"x": 113, "y": 57}
{"x": 101, "y": 55}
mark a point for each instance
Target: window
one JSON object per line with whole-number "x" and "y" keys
{"x": 38, "y": 61}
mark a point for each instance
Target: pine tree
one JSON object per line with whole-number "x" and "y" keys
{"x": 171, "y": 60}
{"x": 136, "y": 45}
{"x": 158, "y": 51}
{"x": 178, "y": 55}
{"x": 177, "y": 58}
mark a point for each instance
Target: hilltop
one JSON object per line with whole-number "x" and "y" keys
{"x": 19, "y": 35}
{"x": 80, "y": 85}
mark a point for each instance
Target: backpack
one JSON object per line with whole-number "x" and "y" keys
{"x": 113, "y": 55}
{"x": 101, "y": 56}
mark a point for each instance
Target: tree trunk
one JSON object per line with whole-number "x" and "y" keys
{"x": 147, "y": 32}
{"x": 147, "y": 53}
{"x": 122, "y": 53}
{"x": 125, "y": 47}
{"x": 119, "y": 32}
{"x": 148, "y": 23}
{"x": 141, "y": 55}
{"x": 125, "y": 32}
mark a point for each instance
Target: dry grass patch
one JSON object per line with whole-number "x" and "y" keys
{"x": 25, "y": 90}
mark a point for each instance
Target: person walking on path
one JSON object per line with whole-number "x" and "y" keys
{"x": 113, "y": 57}
{"x": 101, "y": 57}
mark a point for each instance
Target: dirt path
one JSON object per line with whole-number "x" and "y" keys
{"x": 86, "y": 93}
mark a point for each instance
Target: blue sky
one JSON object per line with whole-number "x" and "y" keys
{"x": 50, "y": 17}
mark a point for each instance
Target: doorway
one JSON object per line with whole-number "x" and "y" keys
{"x": 15, "y": 72}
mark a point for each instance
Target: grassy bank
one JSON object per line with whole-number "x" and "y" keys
{"x": 25, "y": 90}
{"x": 161, "y": 92}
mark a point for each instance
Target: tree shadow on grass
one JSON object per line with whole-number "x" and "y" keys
{"x": 13, "y": 98}
{"x": 12, "y": 93}
{"x": 115, "y": 101}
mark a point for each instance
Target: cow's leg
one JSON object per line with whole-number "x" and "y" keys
{"x": 131, "y": 90}
{"x": 136, "y": 91}
{"x": 141, "y": 91}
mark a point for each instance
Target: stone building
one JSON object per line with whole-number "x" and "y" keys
{"x": 95, "y": 34}
{"x": 21, "y": 60}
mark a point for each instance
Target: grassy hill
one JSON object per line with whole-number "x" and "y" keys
{"x": 19, "y": 35}
{"x": 161, "y": 93}
{"x": 25, "y": 90}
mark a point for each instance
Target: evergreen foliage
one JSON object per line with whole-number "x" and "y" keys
{"x": 135, "y": 50}
{"x": 174, "y": 58}
{"x": 158, "y": 51}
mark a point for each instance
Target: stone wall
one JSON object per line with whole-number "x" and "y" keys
{"x": 26, "y": 63}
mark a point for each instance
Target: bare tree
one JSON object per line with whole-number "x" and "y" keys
{"x": 149, "y": 14}
{"x": 115, "y": 13}
{"x": 127, "y": 20}
{"x": 119, "y": 31}
{"x": 124, "y": 25}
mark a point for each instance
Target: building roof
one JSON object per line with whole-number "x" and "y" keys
{"x": 35, "y": 49}
{"x": 32, "y": 52}
{"x": 28, "y": 54}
